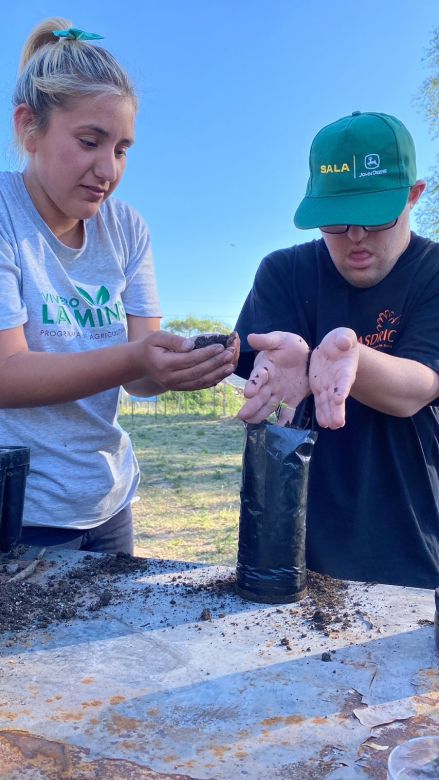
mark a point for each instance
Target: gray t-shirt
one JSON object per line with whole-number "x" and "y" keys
{"x": 83, "y": 469}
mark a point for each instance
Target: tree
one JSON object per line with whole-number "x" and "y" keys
{"x": 213, "y": 399}
{"x": 428, "y": 96}
{"x": 190, "y": 326}
{"x": 427, "y": 216}
{"x": 428, "y": 100}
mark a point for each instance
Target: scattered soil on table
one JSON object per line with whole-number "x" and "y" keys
{"x": 25, "y": 604}
{"x": 97, "y": 582}
{"x": 324, "y": 606}
{"x": 220, "y": 586}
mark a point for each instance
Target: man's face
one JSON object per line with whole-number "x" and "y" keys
{"x": 363, "y": 258}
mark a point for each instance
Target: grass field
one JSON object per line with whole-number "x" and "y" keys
{"x": 189, "y": 492}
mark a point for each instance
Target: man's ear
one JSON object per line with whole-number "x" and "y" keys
{"x": 25, "y": 127}
{"x": 416, "y": 192}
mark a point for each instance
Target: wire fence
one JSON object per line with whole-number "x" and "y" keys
{"x": 224, "y": 400}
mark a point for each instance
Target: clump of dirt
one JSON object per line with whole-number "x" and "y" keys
{"x": 207, "y": 339}
{"x": 326, "y": 602}
{"x": 87, "y": 588}
{"x": 111, "y": 565}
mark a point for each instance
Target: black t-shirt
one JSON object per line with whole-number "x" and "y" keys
{"x": 373, "y": 485}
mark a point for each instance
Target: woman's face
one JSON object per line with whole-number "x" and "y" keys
{"x": 79, "y": 159}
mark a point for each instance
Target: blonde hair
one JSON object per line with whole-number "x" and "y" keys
{"x": 54, "y": 71}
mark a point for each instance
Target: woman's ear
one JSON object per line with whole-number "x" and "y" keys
{"x": 25, "y": 127}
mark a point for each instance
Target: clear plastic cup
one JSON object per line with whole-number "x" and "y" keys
{"x": 417, "y": 759}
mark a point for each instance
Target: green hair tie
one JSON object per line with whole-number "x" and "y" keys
{"x": 74, "y": 34}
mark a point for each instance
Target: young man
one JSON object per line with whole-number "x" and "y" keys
{"x": 365, "y": 300}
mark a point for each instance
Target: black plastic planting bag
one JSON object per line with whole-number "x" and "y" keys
{"x": 14, "y": 468}
{"x": 271, "y": 565}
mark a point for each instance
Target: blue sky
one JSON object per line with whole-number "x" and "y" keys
{"x": 232, "y": 93}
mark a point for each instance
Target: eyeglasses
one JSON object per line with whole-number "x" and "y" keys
{"x": 337, "y": 229}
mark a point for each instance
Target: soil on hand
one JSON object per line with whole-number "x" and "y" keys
{"x": 207, "y": 339}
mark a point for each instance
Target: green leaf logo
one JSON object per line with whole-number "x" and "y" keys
{"x": 86, "y": 295}
{"x": 103, "y": 296}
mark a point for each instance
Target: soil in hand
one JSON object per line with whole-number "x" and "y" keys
{"x": 207, "y": 339}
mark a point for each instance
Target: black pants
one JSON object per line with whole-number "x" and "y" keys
{"x": 113, "y": 536}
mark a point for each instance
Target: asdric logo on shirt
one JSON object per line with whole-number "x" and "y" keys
{"x": 385, "y": 333}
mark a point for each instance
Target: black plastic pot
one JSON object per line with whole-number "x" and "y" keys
{"x": 14, "y": 468}
{"x": 271, "y": 566}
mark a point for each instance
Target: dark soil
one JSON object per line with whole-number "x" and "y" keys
{"x": 25, "y": 604}
{"x": 93, "y": 585}
{"x": 207, "y": 339}
{"x": 324, "y": 605}
{"x": 326, "y": 602}
{"x": 222, "y": 586}
{"x": 323, "y": 609}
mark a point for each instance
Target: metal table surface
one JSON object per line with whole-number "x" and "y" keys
{"x": 178, "y": 677}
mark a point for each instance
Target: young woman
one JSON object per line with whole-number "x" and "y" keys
{"x": 79, "y": 313}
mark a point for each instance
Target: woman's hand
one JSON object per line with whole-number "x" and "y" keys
{"x": 172, "y": 363}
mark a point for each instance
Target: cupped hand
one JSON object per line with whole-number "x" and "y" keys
{"x": 332, "y": 371}
{"x": 279, "y": 377}
{"x": 172, "y": 362}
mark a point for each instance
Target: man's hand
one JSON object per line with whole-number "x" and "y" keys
{"x": 332, "y": 372}
{"x": 172, "y": 363}
{"x": 279, "y": 377}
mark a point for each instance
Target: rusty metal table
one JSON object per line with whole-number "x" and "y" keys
{"x": 178, "y": 677}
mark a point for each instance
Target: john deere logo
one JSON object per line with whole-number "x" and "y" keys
{"x": 372, "y": 161}
{"x": 372, "y": 165}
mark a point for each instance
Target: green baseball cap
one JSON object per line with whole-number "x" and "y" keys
{"x": 361, "y": 170}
